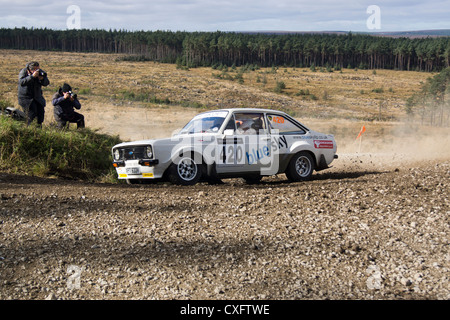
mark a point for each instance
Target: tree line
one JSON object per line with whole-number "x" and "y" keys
{"x": 193, "y": 49}
{"x": 432, "y": 102}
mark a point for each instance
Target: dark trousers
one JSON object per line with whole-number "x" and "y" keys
{"x": 35, "y": 110}
{"x": 75, "y": 117}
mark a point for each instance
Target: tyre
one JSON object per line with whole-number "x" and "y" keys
{"x": 300, "y": 167}
{"x": 185, "y": 172}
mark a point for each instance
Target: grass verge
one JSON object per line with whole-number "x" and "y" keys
{"x": 81, "y": 154}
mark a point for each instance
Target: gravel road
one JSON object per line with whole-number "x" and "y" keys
{"x": 357, "y": 231}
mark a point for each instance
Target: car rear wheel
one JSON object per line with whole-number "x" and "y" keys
{"x": 300, "y": 167}
{"x": 185, "y": 172}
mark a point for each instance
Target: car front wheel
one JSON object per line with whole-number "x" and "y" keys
{"x": 185, "y": 172}
{"x": 300, "y": 167}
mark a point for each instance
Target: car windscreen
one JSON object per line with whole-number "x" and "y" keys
{"x": 208, "y": 122}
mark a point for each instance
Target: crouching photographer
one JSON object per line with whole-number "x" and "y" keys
{"x": 64, "y": 102}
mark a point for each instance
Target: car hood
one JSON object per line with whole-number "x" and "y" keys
{"x": 169, "y": 141}
{"x": 135, "y": 143}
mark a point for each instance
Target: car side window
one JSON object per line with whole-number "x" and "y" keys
{"x": 283, "y": 125}
{"x": 250, "y": 123}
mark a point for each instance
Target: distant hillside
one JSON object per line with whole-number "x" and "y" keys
{"x": 394, "y": 34}
{"x": 414, "y": 34}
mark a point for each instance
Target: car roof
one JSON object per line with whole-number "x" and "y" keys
{"x": 246, "y": 110}
{"x": 252, "y": 110}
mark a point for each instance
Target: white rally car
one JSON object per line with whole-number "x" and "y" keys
{"x": 228, "y": 143}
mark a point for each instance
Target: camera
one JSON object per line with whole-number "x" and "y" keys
{"x": 73, "y": 95}
{"x": 42, "y": 73}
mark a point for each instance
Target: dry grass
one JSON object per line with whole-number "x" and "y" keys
{"x": 105, "y": 86}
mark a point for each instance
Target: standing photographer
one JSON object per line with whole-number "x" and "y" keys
{"x": 64, "y": 102}
{"x": 31, "y": 80}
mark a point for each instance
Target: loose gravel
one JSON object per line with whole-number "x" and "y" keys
{"x": 359, "y": 231}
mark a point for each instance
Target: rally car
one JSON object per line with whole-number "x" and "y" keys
{"x": 228, "y": 143}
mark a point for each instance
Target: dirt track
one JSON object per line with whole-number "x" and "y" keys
{"x": 357, "y": 231}
{"x": 371, "y": 227}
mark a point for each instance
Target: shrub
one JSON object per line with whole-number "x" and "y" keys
{"x": 280, "y": 86}
{"x": 378, "y": 90}
{"x": 239, "y": 77}
{"x": 302, "y": 92}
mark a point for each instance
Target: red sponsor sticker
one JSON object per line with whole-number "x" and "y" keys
{"x": 323, "y": 144}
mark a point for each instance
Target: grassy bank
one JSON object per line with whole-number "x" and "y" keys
{"x": 76, "y": 154}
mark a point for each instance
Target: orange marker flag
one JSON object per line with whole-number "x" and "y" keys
{"x": 363, "y": 129}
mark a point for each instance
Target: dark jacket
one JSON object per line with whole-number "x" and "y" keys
{"x": 30, "y": 88}
{"x": 64, "y": 107}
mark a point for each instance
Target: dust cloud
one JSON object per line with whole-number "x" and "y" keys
{"x": 138, "y": 123}
{"x": 387, "y": 146}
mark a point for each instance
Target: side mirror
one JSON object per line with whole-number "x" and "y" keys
{"x": 228, "y": 132}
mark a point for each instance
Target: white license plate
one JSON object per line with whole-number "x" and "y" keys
{"x": 133, "y": 171}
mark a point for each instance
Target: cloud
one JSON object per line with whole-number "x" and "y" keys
{"x": 227, "y": 15}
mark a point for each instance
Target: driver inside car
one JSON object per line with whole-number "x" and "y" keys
{"x": 245, "y": 126}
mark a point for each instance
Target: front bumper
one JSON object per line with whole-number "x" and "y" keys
{"x": 137, "y": 169}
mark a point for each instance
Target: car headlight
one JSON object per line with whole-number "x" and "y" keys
{"x": 116, "y": 154}
{"x": 149, "y": 151}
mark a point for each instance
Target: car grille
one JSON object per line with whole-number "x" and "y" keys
{"x": 132, "y": 153}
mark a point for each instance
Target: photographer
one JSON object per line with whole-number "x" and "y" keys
{"x": 31, "y": 80}
{"x": 64, "y": 102}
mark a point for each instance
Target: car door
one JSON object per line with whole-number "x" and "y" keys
{"x": 229, "y": 150}
{"x": 284, "y": 133}
{"x": 246, "y": 144}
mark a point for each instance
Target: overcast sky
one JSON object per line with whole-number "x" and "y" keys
{"x": 228, "y": 15}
